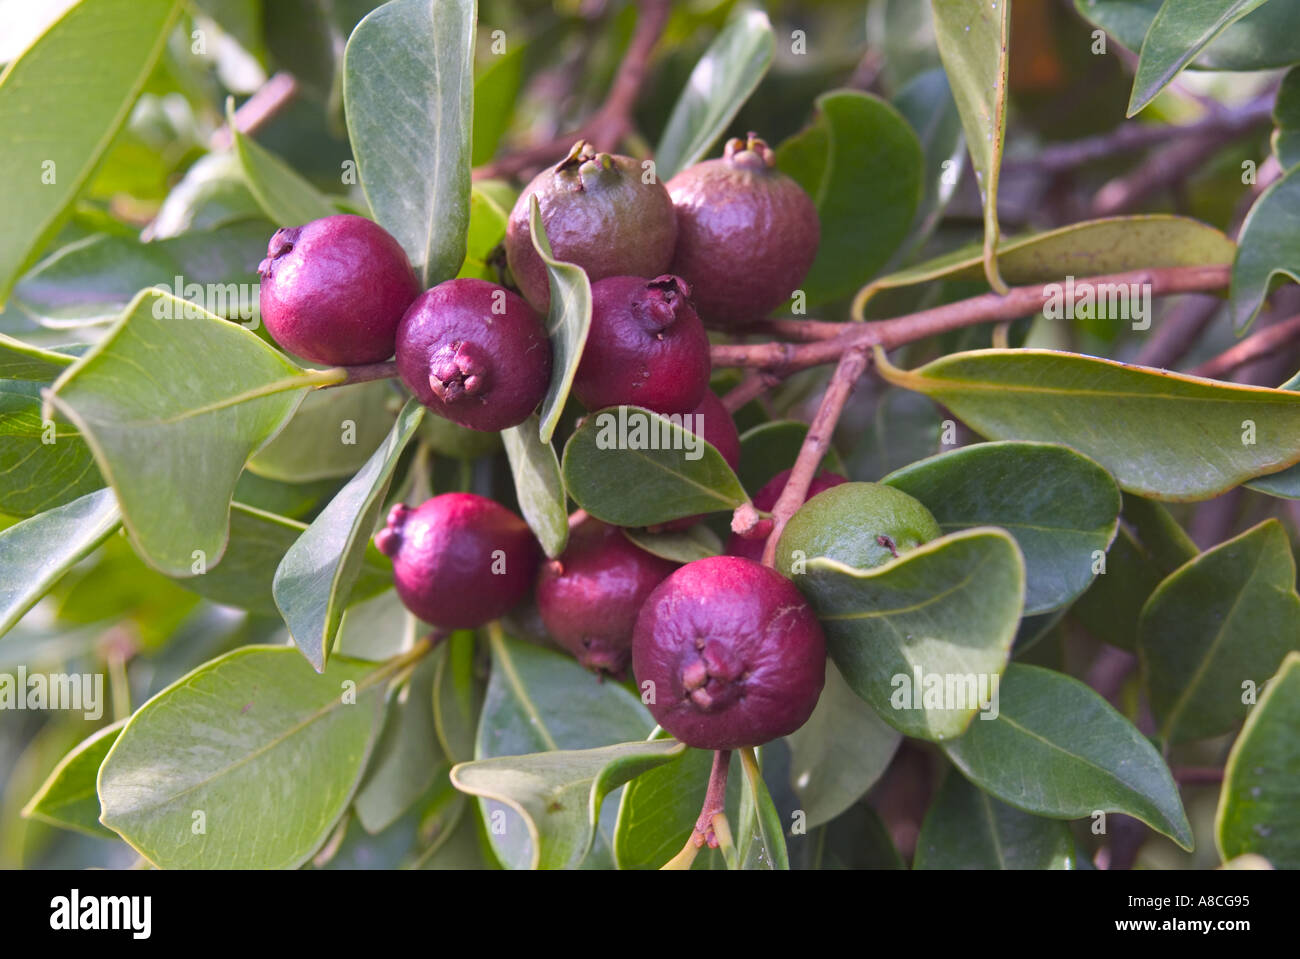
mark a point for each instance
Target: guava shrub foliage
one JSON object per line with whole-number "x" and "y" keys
{"x": 643, "y": 438}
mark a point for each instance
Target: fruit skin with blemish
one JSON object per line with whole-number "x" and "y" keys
{"x": 746, "y": 234}
{"x": 599, "y": 213}
{"x": 734, "y": 652}
{"x": 751, "y": 547}
{"x": 646, "y": 347}
{"x": 859, "y": 524}
{"x": 589, "y": 597}
{"x": 459, "y": 560}
{"x": 475, "y": 353}
{"x": 334, "y": 290}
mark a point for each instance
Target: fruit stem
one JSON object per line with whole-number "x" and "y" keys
{"x": 815, "y": 444}
{"x": 711, "y": 828}
{"x": 347, "y": 375}
{"x": 715, "y": 799}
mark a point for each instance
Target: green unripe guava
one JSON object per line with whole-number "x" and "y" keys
{"x": 859, "y": 524}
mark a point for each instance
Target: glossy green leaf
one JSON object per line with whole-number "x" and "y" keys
{"x": 408, "y": 86}
{"x": 718, "y": 87}
{"x": 966, "y": 828}
{"x": 1286, "y": 118}
{"x": 1058, "y": 749}
{"x": 540, "y": 701}
{"x": 487, "y": 229}
{"x": 771, "y": 447}
{"x": 1179, "y": 32}
{"x": 539, "y": 486}
{"x": 1226, "y": 618}
{"x": 375, "y": 628}
{"x": 407, "y": 757}
{"x": 926, "y": 102}
{"x": 1267, "y": 248}
{"x": 658, "y": 809}
{"x": 93, "y": 280}
{"x": 68, "y": 94}
{"x": 496, "y": 90}
{"x": 681, "y": 546}
{"x": 245, "y": 763}
{"x": 673, "y": 472}
{"x": 839, "y": 753}
{"x": 1093, "y": 248}
{"x": 559, "y": 794}
{"x": 173, "y": 442}
{"x": 1148, "y": 547}
{"x": 972, "y": 36}
{"x": 1258, "y": 812}
{"x": 212, "y": 193}
{"x": 35, "y": 553}
{"x": 258, "y": 542}
{"x": 332, "y": 434}
{"x": 567, "y": 323}
{"x": 1163, "y": 435}
{"x": 1061, "y": 507}
{"x": 457, "y": 697}
{"x": 315, "y": 577}
{"x": 22, "y": 361}
{"x": 857, "y": 839}
{"x": 868, "y": 145}
{"x": 68, "y": 797}
{"x": 923, "y": 637}
{"x": 765, "y": 848}
{"x": 43, "y": 463}
{"x": 904, "y": 427}
{"x": 1260, "y": 41}
{"x": 284, "y": 196}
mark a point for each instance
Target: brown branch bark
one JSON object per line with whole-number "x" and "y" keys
{"x": 815, "y": 444}
{"x": 1253, "y": 347}
{"x": 1134, "y": 136}
{"x": 782, "y": 359}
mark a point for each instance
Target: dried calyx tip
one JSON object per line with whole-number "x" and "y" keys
{"x": 659, "y": 304}
{"x": 751, "y": 153}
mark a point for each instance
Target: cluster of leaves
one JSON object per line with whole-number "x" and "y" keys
{"x": 171, "y": 453}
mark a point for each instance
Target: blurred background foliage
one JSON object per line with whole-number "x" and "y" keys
{"x": 163, "y": 178}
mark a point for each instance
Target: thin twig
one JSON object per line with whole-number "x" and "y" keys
{"x": 711, "y": 827}
{"x": 347, "y": 375}
{"x": 783, "y": 359}
{"x": 1178, "y": 331}
{"x": 255, "y": 112}
{"x": 1197, "y": 775}
{"x": 752, "y": 385}
{"x": 815, "y": 445}
{"x": 1134, "y": 136}
{"x": 1252, "y": 348}
{"x": 609, "y": 124}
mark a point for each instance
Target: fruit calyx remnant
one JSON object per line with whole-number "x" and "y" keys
{"x": 458, "y": 370}
{"x": 752, "y": 153}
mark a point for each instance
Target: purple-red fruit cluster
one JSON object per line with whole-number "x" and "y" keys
{"x": 731, "y": 651}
